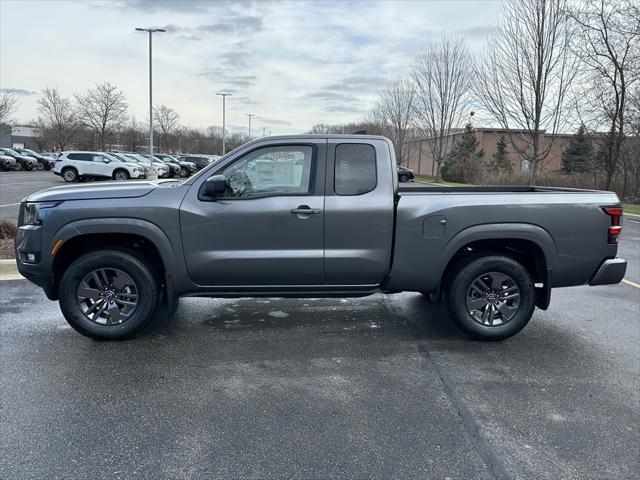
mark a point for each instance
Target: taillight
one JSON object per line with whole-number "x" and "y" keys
{"x": 616, "y": 223}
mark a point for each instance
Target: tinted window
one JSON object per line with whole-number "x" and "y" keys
{"x": 79, "y": 156}
{"x": 283, "y": 170}
{"x": 355, "y": 169}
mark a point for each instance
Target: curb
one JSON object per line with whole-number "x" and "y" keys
{"x": 632, "y": 215}
{"x": 9, "y": 270}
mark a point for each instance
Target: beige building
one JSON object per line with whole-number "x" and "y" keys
{"x": 421, "y": 161}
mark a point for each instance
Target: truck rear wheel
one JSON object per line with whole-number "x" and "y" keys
{"x": 491, "y": 297}
{"x": 108, "y": 294}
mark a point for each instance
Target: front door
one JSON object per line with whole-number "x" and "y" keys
{"x": 267, "y": 228}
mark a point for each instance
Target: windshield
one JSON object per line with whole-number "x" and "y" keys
{"x": 10, "y": 151}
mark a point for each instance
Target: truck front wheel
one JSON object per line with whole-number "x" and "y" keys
{"x": 491, "y": 297}
{"x": 108, "y": 294}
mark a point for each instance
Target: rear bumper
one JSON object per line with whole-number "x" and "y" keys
{"x": 610, "y": 271}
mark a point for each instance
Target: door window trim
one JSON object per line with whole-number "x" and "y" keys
{"x": 312, "y": 175}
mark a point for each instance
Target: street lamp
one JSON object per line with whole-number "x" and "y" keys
{"x": 224, "y": 125}
{"x": 152, "y": 173}
{"x": 249, "y": 115}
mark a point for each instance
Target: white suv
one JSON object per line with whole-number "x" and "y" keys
{"x": 75, "y": 165}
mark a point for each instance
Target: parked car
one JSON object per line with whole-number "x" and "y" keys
{"x": 51, "y": 155}
{"x": 316, "y": 215}
{"x": 186, "y": 168}
{"x": 162, "y": 170}
{"x": 199, "y": 161}
{"x": 23, "y": 162}
{"x": 44, "y": 163}
{"x": 404, "y": 174}
{"x": 174, "y": 169}
{"x": 7, "y": 162}
{"x": 79, "y": 165}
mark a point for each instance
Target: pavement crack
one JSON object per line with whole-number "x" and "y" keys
{"x": 469, "y": 421}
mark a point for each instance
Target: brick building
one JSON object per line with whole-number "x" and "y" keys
{"x": 421, "y": 161}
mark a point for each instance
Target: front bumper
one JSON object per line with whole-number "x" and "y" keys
{"x": 29, "y": 241}
{"x": 609, "y": 272}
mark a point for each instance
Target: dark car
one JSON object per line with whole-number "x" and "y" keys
{"x": 44, "y": 163}
{"x": 23, "y": 162}
{"x": 199, "y": 160}
{"x": 404, "y": 174}
{"x": 290, "y": 217}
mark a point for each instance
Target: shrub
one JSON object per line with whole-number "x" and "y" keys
{"x": 7, "y": 229}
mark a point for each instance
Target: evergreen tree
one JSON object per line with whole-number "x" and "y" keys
{"x": 463, "y": 162}
{"x": 500, "y": 162}
{"x": 577, "y": 156}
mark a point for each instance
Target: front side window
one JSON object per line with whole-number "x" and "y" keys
{"x": 278, "y": 170}
{"x": 355, "y": 169}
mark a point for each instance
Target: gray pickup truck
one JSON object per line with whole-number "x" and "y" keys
{"x": 312, "y": 216}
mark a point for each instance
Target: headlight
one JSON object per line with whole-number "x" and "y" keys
{"x": 32, "y": 214}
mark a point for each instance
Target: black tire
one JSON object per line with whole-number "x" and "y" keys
{"x": 121, "y": 175}
{"x": 28, "y": 167}
{"x": 184, "y": 173}
{"x": 460, "y": 288}
{"x": 18, "y": 166}
{"x": 137, "y": 269}
{"x": 69, "y": 174}
{"x": 404, "y": 178}
{"x": 40, "y": 166}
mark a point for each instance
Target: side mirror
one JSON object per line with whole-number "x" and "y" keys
{"x": 215, "y": 185}
{"x": 106, "y": 160}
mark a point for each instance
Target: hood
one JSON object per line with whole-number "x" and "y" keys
{"x": 93, "y": 191}
{"x": 6, "y": 158}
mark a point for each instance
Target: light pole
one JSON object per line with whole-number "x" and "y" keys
{"x": 249, "y": 115}
{"x": 264, "y": 131}
{"x": 152, "y": 173}
{"x": 224, "y": 125}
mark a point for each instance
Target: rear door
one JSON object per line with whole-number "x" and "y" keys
{"x": 267, "y": 229}
{"x": 359, "y": 212}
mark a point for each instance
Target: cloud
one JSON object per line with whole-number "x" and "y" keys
{"x": 481, "y": 31}
{"x": 237, "y": 25}
{"x": 272, "y": 121}
{"x": 358, "y": 83}
{"x": 18, "y": 91}
{"x": 344, "y": 109}
{"x": 330, "y": 96}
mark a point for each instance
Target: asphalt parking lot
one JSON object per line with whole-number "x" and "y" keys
{"x": 377, "y": 387}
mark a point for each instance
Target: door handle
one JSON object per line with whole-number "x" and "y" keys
{"x": 305, "y": 210}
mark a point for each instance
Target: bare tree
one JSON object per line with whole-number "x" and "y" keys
{"x": 167, "y": 120}
{"x": 442, "y": 75}
{"x": 525, "y": 76}
{"x": 607, "y": 41}
{"x": 396, "y": 111}
{"x": 8, "y": 105}
{"x": 57, "y": 118}
{"x": 103, "y": 109}
{"x": 133, "y": 135}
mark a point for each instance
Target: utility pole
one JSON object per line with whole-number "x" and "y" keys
{"x": 152, "y": 173}
{"x": 224, "y": 125}
{"x": 264, "y": 131}
{"x": 249, "y": 115}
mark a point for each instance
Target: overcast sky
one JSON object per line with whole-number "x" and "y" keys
{"x": 292, "y": 64}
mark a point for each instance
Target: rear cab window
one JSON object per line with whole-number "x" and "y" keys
{"x": 355, "y": 169}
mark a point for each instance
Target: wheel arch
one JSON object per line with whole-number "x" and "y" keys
{"x": 140, "y": 236}
{"x": 528, "y": 244}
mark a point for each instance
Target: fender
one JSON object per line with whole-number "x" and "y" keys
{"x": 136, "y": 226}
{"x": 507, "y": 231}
{"x": 142, "y": 228}
{"x": 503, "y": 231}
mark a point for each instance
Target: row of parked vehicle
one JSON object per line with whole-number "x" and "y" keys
{"x": 25, "y": 159}
{"x": 84, "y": 165}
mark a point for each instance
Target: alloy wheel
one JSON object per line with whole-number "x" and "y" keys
{"x": 493, "y": 299}
{"x": 107, "y": 296}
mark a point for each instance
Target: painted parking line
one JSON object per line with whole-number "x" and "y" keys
{"x": 10, "y": 205}
{"x": 629, "y": 282}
